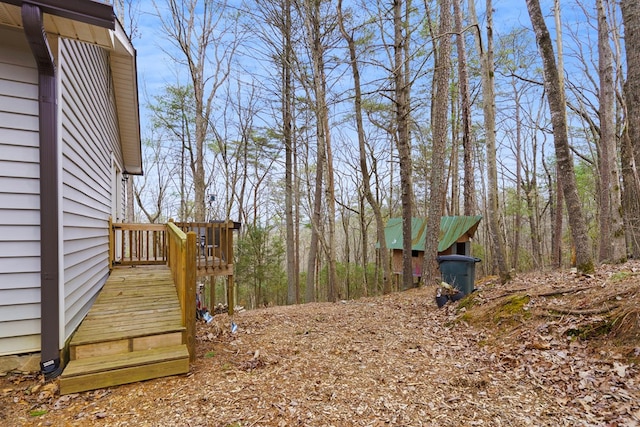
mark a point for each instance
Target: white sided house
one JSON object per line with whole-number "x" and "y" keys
{"x": 69, "y": 135}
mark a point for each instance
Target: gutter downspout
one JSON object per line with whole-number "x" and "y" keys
{"x": 48, "y": 131}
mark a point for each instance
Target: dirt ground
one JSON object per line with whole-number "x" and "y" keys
{"x": 549, "y": 349}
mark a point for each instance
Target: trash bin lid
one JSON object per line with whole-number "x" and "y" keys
{"x": 457, "y": 258}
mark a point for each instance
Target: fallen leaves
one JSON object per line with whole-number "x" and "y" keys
{"x": 501, "y": 357}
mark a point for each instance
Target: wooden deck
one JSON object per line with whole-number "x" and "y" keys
{"x": 145, "y": 244}
{"x": 133, "y": 332}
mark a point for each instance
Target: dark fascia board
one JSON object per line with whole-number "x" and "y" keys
{"x": 87, "y": 11}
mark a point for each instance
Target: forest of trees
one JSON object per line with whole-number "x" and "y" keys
{"x": 312, "y": 122}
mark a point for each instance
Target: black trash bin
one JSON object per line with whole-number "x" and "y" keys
{"x": 459, "y": 271}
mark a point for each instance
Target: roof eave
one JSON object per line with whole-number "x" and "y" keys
{"x": 90, "y": 12}
{"x": 95, "y": 23}
{"x": 125, "y": 80}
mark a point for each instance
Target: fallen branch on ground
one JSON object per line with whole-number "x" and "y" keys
{"x": 580, "y": 312}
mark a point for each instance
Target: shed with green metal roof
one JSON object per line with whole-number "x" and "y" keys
{"x": 454, "y": 237}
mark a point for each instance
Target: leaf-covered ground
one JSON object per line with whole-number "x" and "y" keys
{"x": 549, "y": 349}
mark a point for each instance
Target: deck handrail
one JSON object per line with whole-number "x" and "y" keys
{"x": 214, "y": 243}
{"x": 148, "y": 244}
{"x": 138, "y": 244}
{"x": 181, "y": 248}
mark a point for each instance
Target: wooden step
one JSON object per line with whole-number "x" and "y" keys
{"x": 126, "y": 345}
{"x": 115, "y": 331}
{"x": 106, "y": 371}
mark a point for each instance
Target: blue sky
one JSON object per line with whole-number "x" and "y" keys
{"x": 155, "y": 70}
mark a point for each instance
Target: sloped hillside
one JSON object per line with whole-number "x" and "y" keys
{"x": 549, "y": 349}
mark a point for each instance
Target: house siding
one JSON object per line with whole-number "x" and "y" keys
{"x": 19, "y": 200}
{"x": 90, "y": 140}
{"x": 19, "y": 197}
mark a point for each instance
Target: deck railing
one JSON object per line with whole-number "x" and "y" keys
{"x": 147, "y": 244}
{"x": 138, "y": 244}
{"x": 214, "y": 242}
{"x": 181, "y": 259}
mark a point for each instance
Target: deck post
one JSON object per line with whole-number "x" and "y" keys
{"x": 228, "y": 230}
{"x": 189, "y": 316}
{"x": 212, "y": 293}
{"x": 182, "y": 261}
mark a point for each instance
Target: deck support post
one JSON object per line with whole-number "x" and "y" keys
{"x": 189, "y": 314}
{"x": 212, "y": 293}
{"x": 230, "y": 295}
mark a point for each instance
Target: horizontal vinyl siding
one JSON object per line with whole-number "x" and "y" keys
{"x": 18, "y": 345}
{"x": 21, "y": 169}
{"x": 26, "y": 249}
{"x": 20, "y": 235}
{"x": 89, "y": 134}
{"x": 19, "y": 197}
{"x": 22, "y": 217}
{"x": 17, "y": 311}
{"x": 21, "y": 296}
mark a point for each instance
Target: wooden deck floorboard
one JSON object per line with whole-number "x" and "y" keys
{"x": 134, "y": 302}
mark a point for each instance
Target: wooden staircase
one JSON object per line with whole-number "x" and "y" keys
{"x": 133, "y": 332}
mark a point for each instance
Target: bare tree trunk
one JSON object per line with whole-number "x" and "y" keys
{"x": 559, "y": 212}
{"x": 364, "y": 168}
{"x": 555, "y": 97}
{"x": 612, "y": 238}
{"x": 324, "y": 137}
{"x": 312, "y": 21}
{"x": 631, "y": 140}
{"x": 437, "y": 193}
{"x": 196, "y": 39}
{"x": 532, "y": 196}
{"x": 402, "y": 141}
{"x": 630, "y": 199}
{"x": 469, "y": 190}
{"x": 558, "y": 215}
{"x": 518, "y": 220}
{"x": 293, "y": 285}
{"x": 364, "y": 238}
{"x": 488, "y": 102}
{"x": 454, "y": 171}
{"x": 631, "y": 19}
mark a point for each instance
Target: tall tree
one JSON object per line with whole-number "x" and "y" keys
{"x": 293, "y": 281}
{"x": 173, "y": 116}
{"x": 439, "y": 122}
{"x": 558, "y": 220}
{"x": 277, "y": 34}
{"x": 200, "y": 39}
{"x": 362, "y": 153}
{"x": 612, "y": 238}
{"x": 469, "y": 190}
{"x": 403, "y": 143}
{"x": 631, "y": 138}
{"x": 489, "y": 110}
{"x": 317, "y": 32}
{"x": 556, "y": 101}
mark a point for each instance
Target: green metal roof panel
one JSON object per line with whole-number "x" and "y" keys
{"x": 451, "y": 229}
